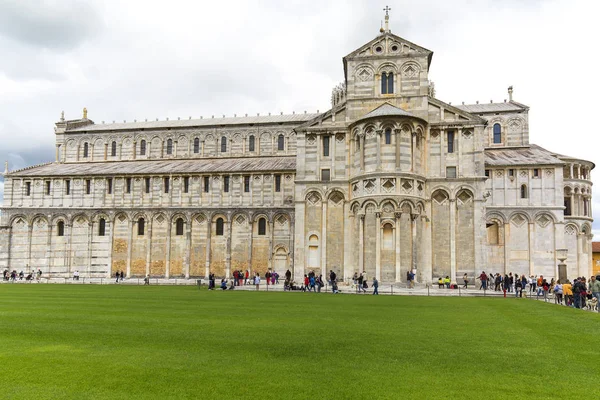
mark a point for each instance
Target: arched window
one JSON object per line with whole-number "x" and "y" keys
{"x": 196, "y": 145}
{"x": 179, "y": 227}
{"x": 251, "y": 143}
{"x": 388, "y": 136}
{"x": 85, "y": 149}
{"x": 280, "y": 142}
{"x": 113, "y": 149}
{"x": 357, "y": 141}
{"x": 60, "y": 228}
{"x": 523, "y": 191}
{"x": 262, "y": 226}
{"x": 141, "y": 226}
{"x": 102, "y": 227}
{"x": 387, "y": 83}
{"x": 143, "y": 148}
{"x": 497, "y": 133}
{"x": 169, "y": 146}
{"x": 223, "y": 144}
{"x": 219, "y": 226}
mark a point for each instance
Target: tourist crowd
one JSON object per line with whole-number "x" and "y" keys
{"x": 581, "y": 293}
{"x": 13, "y": 276}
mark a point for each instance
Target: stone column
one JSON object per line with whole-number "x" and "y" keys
{"x": 299, "y": 242}
{"x": 378, "y": 138}
{"x": 228, "y": 246}
{"x": 188, "y": 249}
{"x": 208, "y": 234}
{"x": 89, "y": 244}
{"x": 361, "y": 243}
{"x": 453, "y": 240}
{"x": 48, "y": 248}
{"x": 362, "y": 152}
{"x": 168, "y": 253}
{"x": 29, "y": 235}
{"x": 348, "y": 240}
{"x": 506, "y": 251}
{"x": 149, "y": 246}
{"x": 271, "y": 242}
{"x": 129, "y": 249}
{"x": 398, "y": 216}
{"x": 531, "y": 247}
{"x": 292, "y": 230}
{"x": 414, "y": 218}
{"x": 397, "y": 133}
{"x": 426, "y": 247}
{"x": 111, "y": 239}
{"x": 134, "y": 149}
{"x": 413, "y": 148}
{"x": 324, "y": 238}
{"x": 579, "y": 251}
{"x": 378, "y": 245}
{"x": 250, "y": 237}
{"x": 57, "y": 147}
{"x": 120, "y": 151}
{"x": 68, "y": 235}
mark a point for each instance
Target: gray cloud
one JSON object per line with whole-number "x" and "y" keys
{"x": 50, "y": 24}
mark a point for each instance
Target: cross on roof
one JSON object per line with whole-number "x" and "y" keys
{"x": 387, "y": 10}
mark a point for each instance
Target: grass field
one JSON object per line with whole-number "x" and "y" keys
{"x": 126, "y": 342}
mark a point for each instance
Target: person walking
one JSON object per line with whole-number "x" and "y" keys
{"x": 117, "y": 275}
{"x": 558, "y": 292}
{"x": 518, "y": 287}
{"x": 568, "y": 293}
{"x": 466, "y": 280}
{"x": 545, "y": 288}
{"x": 359, "y": 286}
{"x": 147, "y": 280}
{"x": 484, "y": 278}
{"x": 257, "y": 281}
{"x": 375, "y": 286}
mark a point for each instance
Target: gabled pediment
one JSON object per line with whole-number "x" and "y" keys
{"x": 388, "y": 44}
{"x": 458, "y": 115}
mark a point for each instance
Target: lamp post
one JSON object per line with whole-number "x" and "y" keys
{"x": 561, "y": 255}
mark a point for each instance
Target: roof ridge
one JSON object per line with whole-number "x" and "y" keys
{"x": 32, "y": 166}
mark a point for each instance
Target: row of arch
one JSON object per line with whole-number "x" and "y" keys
{"x": 391, "y": 125}
{"x": 173, "y": 217}
{"x": 516, "y": 216}
{"x": 169, "y": 146}
{"x": 389, "y": 67}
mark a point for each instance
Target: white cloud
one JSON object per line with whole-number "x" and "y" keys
{"x": 137, "y": 59}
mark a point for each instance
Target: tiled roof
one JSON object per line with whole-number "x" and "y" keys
{"x": 490, "y": 107}
{"x": 189, "y": 123}
{"x": 595, "y": 247}
{"x": 531, "y": 155}
{"x": 386, "y": 110}
{"x": 159, "y": 167}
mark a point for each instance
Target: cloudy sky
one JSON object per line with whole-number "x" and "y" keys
{"x": 128, "y": 59}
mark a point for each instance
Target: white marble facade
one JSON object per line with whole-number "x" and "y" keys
{"x": 388, "y": 180}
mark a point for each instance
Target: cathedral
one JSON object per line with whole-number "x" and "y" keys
{"x": 389, "y": 180}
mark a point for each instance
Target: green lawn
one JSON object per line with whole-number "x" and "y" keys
{"x": 126, "y": 342}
